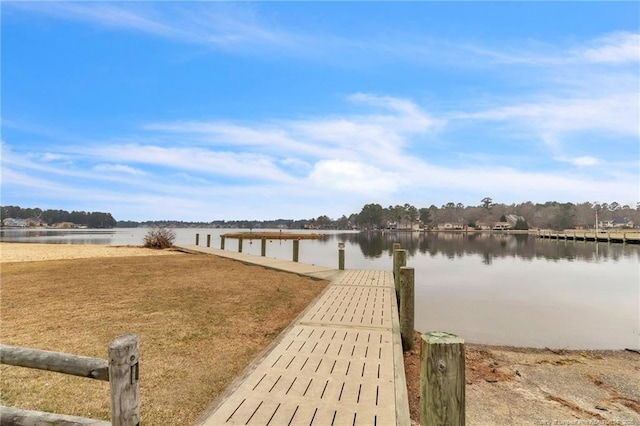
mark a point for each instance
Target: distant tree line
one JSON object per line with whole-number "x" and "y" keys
{"x": 549, "y": 215}
{"x": 51, "y": 217}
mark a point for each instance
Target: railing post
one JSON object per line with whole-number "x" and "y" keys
{"x": 263, "y": 247}
{"x": 123, "y": 380}
{"x": 407, "y": 303}
{"x": 208, "y": 240}
{"x": 221, "y": 242}
{"x": 442, "y": 380}
{"x": 341, "y": 256}
{"x": 197, "y": 239}
{"x": 239, "y": 245}
{"x": 296, "y": 249}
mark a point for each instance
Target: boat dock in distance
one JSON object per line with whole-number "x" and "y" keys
{"x": 340, "y": 362}
{"x": 628, "y": 237}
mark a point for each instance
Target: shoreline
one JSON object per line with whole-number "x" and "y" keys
{"x": 507, "y": 385}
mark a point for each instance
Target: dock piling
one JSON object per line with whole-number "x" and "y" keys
{"x": 221, "y": 242}
{"x": 208, "y": 240}
{"x": 399, "y": 260}
{"x": 296, "y": 250}
{"x": 407, "y": 304}
{"x": 442, "y": 380}
{"x": 263, "y": 247}
{"x": 197, "y": 239}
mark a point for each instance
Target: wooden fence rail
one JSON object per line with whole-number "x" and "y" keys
{"x": 121, "y": 371}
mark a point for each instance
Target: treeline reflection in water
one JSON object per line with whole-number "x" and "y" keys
{"x": 488, "y": 245}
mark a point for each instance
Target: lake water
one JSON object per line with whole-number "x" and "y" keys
{"x": 488, "y": 288}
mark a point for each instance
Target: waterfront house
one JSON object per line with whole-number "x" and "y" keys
{"x": 502, "y": 226}
{"x": 621, "y": 222}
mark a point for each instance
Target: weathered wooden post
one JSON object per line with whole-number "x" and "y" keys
{"x": 208, "y": 240}
{"x": 341, "y": 256}
{"x": 407, "y": 303}
{"x": 123, "y": 380}
{"x": 221, "y": 242}
{"x": 624, "y": 238}
{"x": 263, "y": 247}
{"x": 442, "y": 380}
{"x": 197, "y": 239}
{"x": 296, "y": 249}
{"x": 399, "y": 260}
{"x": 239, "y": 245}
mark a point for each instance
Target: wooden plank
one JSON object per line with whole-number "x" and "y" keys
{"x": 93, "y": 368}
{"x": 11, "y": 416}
{"x": 339, "y": 363}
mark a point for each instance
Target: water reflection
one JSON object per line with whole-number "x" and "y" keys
{"x": 486, "y": 287}
{"x": 488, "y": 245}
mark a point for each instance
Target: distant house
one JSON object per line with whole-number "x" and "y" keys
{"x": 407, "y": 225}
{"x": 605, "y": 224}
{"x": 483, "y": 226}
{"x": 448, "y": 226}
{"x": 502, "y": 226}
{"x": 621, "y": 222}
{"x": 514, "y": 218}
{"x": 15, "y": 223}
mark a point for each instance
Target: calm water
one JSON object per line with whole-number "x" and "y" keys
{"x": 488, "y": 288}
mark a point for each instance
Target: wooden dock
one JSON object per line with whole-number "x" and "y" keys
{"x": 339, "y": 363}
{"x": 630, "y": 237}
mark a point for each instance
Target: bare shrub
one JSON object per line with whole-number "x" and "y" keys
{"x": 159, "y": 238}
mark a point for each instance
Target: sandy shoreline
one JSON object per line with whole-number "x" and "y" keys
{"x": 30, "y": 252}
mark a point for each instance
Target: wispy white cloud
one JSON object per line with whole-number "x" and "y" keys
{"x": 239, "y": 165}
{"x": 582, "y": 161}
{"x": 615, "y": 48}
{"x": 222, "y": 25}
{"x": 353, "y": 177}
{"x": 617, "y": 113}
{"x": 118, "y": 168}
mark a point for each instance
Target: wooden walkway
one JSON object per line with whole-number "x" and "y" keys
{"x": 339, "y": 363}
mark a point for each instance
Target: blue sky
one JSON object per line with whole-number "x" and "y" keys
{"x": 219, "y": 110}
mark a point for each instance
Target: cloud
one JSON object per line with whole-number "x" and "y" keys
{"x": 214, "y": 24}
{"x": 617, "y": 113}
{"x": 118, "y": 168}
{"x": 48, "y": 157}
{"x": 580, "y": 161}
{"x": 614, "y": 48}
{"x": 354, "y": 177}
{"x": 238, "y": 165}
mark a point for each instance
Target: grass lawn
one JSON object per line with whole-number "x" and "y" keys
{"x": 201, "y": 320}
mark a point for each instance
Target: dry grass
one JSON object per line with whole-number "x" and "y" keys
{"x": 201, "y": 320}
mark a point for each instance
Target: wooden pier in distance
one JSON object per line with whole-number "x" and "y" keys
{"x": 340, "y": 362}
{"x": 274, "y": 236}
{"x": 629, "y": 237}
